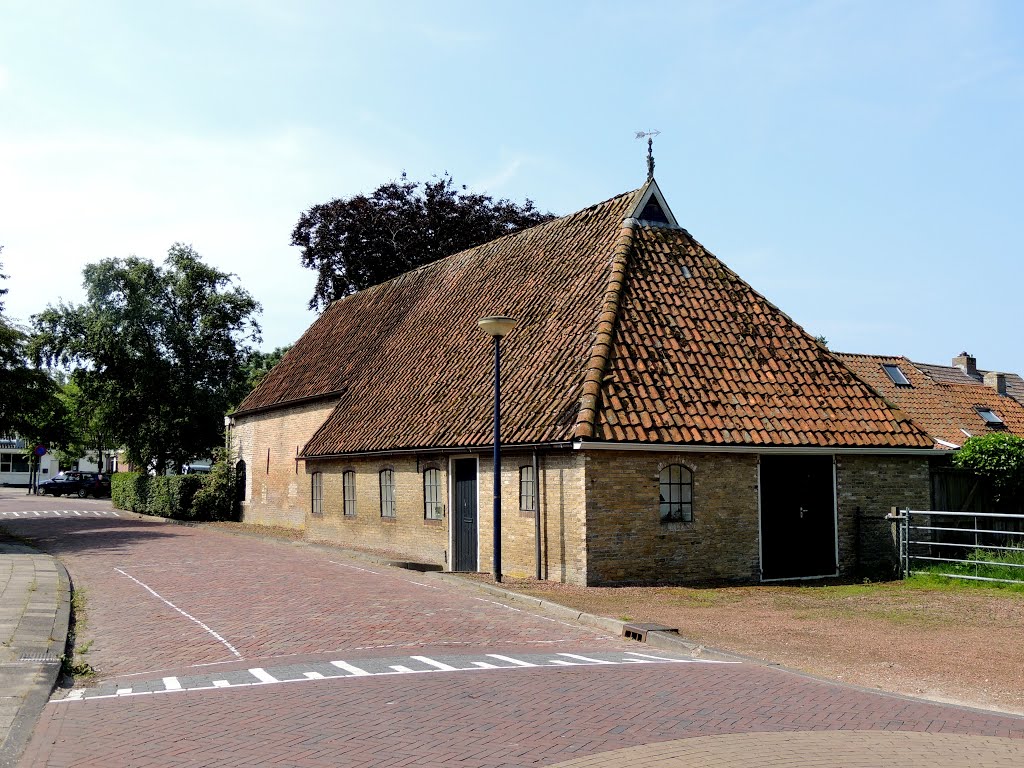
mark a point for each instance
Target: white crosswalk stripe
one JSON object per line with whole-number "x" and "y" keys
{"x": 375, "y": 667}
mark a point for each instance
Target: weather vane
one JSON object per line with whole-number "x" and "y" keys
{"x": 649, "y": 135}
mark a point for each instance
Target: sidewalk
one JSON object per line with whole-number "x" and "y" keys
{"x": 34, "y": 612}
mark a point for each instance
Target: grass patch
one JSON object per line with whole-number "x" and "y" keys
{"x": 982, "y": 563}
{"x": 72, "y": 664}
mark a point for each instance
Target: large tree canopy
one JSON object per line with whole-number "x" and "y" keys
{"x": 360, "y": 241}
{"x": 28, "y": 394}
{"x": 159, "y": 353}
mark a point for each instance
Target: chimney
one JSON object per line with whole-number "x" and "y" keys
{"x": 997, "y": 381}
{"x": 967, "y": 364}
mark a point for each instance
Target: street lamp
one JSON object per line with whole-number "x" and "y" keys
{"x": 496, "y": 327}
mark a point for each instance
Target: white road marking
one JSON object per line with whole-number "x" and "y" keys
{"x": 188, "y": 616}
{"x": 421, "y": 584}
{"x": 355, "y": 567}
{"x": 436, "y": 664}
{"x": 349, "y": 668}
{"x": 262, "y": 675}
{"x": 510, "y": 660}
{"x": 585, "y": 658}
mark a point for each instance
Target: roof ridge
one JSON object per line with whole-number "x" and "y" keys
{"x": 605, "y": 333}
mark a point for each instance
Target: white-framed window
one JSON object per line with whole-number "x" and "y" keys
{"x": 676, "y": 494}
{"x": 13, "y": 462}
{"x": 348, "y": 495}
{"x": 317, "y": 483}
{"x": 433, "y": 507}
{"x": 387, "y": 493}
{"x": 527, "y": 489}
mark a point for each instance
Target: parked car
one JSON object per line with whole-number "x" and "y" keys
{"x": 76, "y": 483}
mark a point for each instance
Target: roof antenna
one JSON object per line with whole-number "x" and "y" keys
{"x": 649, "y": 135}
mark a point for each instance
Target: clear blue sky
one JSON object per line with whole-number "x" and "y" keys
{"x": 860, "y": 163}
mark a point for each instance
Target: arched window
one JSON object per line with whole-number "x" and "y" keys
{"x": 240, "y": 482}
{"x": 387, "y": 493}
{"x": 348, "y": 497}
{"x": 433, "y": 508}
{"x": 676, "y": 491}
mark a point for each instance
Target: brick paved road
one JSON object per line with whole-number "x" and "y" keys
{"x": 174, "y": 603}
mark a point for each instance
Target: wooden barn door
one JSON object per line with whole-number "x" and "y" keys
{"x": 798, "y": 517}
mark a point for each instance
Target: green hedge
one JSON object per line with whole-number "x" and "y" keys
{"x": 183, "y": 497}
{"x": 128, "y": 490}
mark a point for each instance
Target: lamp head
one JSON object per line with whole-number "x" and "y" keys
{"x": 497, "y": 325}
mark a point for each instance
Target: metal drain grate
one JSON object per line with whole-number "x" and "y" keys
{"x": 639, "y": 632}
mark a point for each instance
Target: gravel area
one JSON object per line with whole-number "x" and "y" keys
{"x": 955, "y": 645}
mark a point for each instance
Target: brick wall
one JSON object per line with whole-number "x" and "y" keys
{"x": 409, "y": 534}
{"x": 626, "y": 540}
{"x": 562, "y": 517}
{"x": 276, "y": 486}
{"x": 867, "y": 487}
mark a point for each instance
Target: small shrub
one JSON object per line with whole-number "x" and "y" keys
{"x": 216, "y": 499}
{"x": 998, "y": 457}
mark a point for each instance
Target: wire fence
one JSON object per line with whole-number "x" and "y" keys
{"x": 976, "y": 546}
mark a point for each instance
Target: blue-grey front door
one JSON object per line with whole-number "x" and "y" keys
{"x": 465, "y": 517}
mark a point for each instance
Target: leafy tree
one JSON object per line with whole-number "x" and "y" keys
{"x": 360, "y": 241}
{"x": 258, "y": 366}
{"x": 157, "y": 353}
{"x": 28, "y": 393}
{"x": 998, "y": 457}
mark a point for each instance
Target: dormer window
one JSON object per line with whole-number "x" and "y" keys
{"x": 896, "y": 375}
{"x": 990, "y": 417}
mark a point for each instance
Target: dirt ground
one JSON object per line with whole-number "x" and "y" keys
{"x": 961, "y": 645}
{"x": 956, "y": 645}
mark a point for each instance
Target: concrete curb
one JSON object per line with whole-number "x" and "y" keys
{"x": 46, "y": 675}
{"x": 666, "y": 641}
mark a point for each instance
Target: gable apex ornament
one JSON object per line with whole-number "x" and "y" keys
{"x": 651, "y": 207}
{"x": 649, "y": 135}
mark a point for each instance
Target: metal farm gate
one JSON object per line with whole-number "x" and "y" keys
{"x": 979, "y": 546}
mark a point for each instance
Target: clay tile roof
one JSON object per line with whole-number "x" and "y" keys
{"x": 941, "y": 408}
{"x": 627, "y": 332}
{"x": 413, "y": 369}
{"x": 708, "y": 360}
{"x": 951, "y": 374}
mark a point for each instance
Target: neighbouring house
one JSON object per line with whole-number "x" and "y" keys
{"x": 662, "y": 422}
{"x": 951, "y": 403}
{"x": 15, "y": 465}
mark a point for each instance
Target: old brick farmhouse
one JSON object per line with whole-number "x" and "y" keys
{"x": 662, "y": 421}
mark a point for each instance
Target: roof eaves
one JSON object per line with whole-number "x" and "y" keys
{"x": 287, "y": 403}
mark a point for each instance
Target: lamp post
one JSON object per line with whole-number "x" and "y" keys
{"x": 497, "y": 327}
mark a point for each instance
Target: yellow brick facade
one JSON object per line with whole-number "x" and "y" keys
{"x": 276, "y": 485}
{"x": 599, "y": 510}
